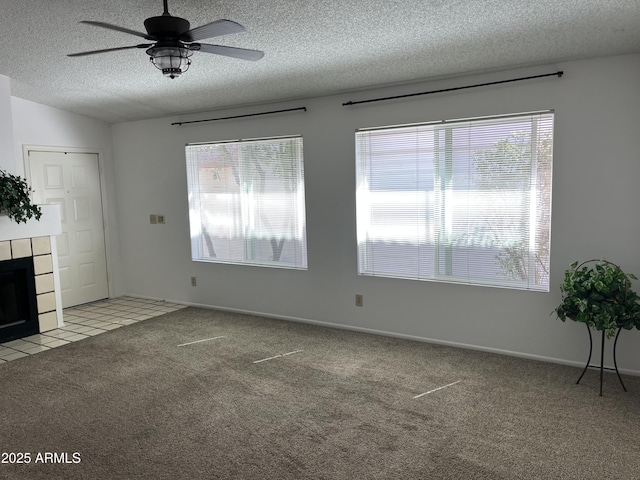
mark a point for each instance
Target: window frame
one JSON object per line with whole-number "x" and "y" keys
{"x": 248, "y": 212}
{"x": 365, "y": 244}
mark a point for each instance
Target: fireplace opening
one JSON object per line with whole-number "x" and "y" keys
{"x": 18, "y": 306}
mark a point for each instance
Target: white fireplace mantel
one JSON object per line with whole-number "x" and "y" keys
{"x": 49, "y": 225}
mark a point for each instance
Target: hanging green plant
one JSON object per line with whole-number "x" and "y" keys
{"x": 15, "y": 200}
{"x": 600, "y": 294}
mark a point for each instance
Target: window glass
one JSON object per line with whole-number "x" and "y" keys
{"x": 457, "y": 201}
{"x": 247, "y": 202}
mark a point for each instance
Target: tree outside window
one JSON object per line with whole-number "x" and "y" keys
{"x": 247, "y": 202}
{"x": 457, "y": 201}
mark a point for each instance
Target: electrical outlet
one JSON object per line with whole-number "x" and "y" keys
{"x": 153, "y": 219}
{"x": 193, "y": 281}
{"x": 161, "y": 219}
{"x": 359, "y": 300}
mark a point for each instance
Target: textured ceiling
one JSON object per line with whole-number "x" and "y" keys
{"x": 311, "y": 47}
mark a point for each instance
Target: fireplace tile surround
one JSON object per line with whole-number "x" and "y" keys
{"x": 43, "y": 268}
{"x": 35, "y": 239}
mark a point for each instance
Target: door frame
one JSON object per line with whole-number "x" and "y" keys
{"x": 103, "y": 193}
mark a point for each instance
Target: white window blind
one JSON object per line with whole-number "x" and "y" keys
{"x": 457, "y": 201}
{"x": 247, "y": 202}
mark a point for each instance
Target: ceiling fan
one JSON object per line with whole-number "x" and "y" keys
{"x": 175, "y": 41}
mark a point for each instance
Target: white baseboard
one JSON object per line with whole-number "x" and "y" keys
{"x": 385, "y": 333}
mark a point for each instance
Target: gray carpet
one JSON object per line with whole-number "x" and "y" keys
{"x": 135, "y": 405}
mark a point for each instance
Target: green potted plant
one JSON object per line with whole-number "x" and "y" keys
{"x": 15, "y": 200}
{"x": 600, "y": 294}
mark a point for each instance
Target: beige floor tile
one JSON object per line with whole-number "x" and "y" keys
{"x": 14, "y": 356}
{"x": 57, "y": 343}
{"x": 14, "y": 343}
{"x": 77, "y": 328}
{"x": 93, "y": 332}
{"x": 35, "y": 349}
{"x": 49, "y": 341}
{"x": 112, "y": 326}
{"x": 76, "y": 337}
{"x": 66, "y": 335}
{"x": 88, "y": 320}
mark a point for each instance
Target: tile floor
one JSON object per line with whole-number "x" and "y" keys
{"x": 88, "y": 320}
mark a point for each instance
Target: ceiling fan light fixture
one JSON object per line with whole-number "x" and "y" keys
{"x": 175, "y": 41}
{"x": 171, "y": 60}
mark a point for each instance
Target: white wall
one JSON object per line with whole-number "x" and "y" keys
{"x": 39, "y": 125}
{"x": 7, "y": 162}
{"x": 595, "y": 211}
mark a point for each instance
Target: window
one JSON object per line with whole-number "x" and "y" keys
{"x": 246, "y": 202}
{"x": 457, "y": 201}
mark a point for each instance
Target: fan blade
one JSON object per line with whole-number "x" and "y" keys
{"x": 92, "y": 52}
{"x": 241, "y": 53}
{"x": 213, "y": 29}
{"x": 118, "y": 29}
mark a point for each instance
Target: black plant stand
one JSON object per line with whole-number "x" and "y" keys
{"x": 601, "y": 366}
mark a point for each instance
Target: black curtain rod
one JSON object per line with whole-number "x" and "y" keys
{"x": 558, "y": 74}
{"x": 242, "y": 116}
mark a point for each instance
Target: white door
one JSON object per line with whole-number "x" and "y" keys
{"x": 72, "y": 180}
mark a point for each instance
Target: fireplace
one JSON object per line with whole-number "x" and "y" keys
{"x": 18, "y": 307}
{"x": 29, "y": 281}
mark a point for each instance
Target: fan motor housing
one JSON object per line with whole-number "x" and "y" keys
{"x": 166, "y": 26}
